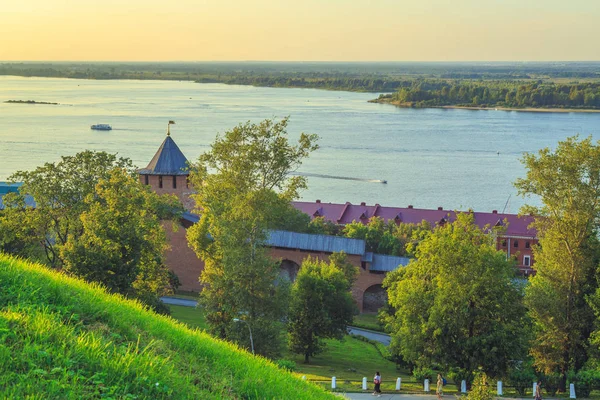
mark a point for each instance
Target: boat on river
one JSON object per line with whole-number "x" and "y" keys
{"x": 101, "y": 127}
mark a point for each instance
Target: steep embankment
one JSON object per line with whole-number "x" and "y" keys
{"x": 61, "y": 338}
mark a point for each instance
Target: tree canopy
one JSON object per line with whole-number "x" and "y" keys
{"x": 243, "y": 189}
{"x": 457, "y": 305}
{"x": 567, "y": 180}
{"x": 321, "y": 304}
{"x": 93, "y": 218}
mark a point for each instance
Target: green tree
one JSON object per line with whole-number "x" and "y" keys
{"x": 122, "y": 242}
{"x": 567, "y": 181}
{"x": 17, "y": 233}
{"x": 94, "y": 219}
{"x": 456, "y": 305}
{"x": 58, "y": 190}
{"x": 321, "y": 306}
{"x": 243, "y": 190}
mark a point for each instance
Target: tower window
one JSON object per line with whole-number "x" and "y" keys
{"x": 187, "y": 182}
{"x": 174, "y": 182}
{"x": 146, "y": 179}
{"x": 160, "y": 181}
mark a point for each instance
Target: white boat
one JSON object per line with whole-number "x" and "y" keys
{"x": 101, "y": 127}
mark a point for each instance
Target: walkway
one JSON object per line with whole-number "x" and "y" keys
{"x": 372, "y": 335}
{"x": 392, "y": 396}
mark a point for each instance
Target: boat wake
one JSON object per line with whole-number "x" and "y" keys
{"x": 346, "y": 178}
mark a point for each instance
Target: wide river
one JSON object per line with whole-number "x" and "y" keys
{"x": 457, "y": 159}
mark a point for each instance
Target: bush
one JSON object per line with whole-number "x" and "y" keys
{"x": 480, "y": 389}
{"x": 584, "y": 381}
{"x": 422, "y": 373}
{"x": 286, "y": 364}
{"x": 521, "y": 377}
{"x": 551, "y": 383}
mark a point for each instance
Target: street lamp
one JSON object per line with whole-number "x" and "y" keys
{"x": 249, "y": 330}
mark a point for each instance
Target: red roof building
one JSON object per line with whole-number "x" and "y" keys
{"x": 517, "y": 240}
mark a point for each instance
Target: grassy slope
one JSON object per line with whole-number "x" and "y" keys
{"x": 61, "y": 338}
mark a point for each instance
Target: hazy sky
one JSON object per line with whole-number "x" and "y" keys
{"x": 286, "y": 30}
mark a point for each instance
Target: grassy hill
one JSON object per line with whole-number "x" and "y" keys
{"x": 61, "y": 338}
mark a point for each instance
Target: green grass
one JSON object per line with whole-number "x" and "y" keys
{"x": 191, "y": 316}
{"x": 61, "y": 338}
{"x": 367, "y": 321}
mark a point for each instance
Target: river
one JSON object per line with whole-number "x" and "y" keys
{"x": 456, "y": 159}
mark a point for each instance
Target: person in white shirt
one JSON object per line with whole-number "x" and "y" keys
{"x": 377, "y": 382}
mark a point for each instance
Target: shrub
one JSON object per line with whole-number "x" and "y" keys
{"x": 480, "y": 389}
{"x": 584, "y": 381}
{"x": 286, "y": 364}
{"x": 551, "y": 383}
{"x": 521, "y": 377}
{"x": 422, "y": 373}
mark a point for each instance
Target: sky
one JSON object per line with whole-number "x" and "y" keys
{"x": 300, "y": 30}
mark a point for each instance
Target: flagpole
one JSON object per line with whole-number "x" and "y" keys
{"x": 169, "y": 127}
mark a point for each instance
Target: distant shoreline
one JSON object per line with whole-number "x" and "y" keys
{"x": 30, "y": 102}
{"x": 475, "y": 108}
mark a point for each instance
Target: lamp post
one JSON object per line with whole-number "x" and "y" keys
{"x": 249, "y": 330}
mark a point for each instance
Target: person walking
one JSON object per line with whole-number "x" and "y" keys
{"x": 439, "y": 389}
{"x": 377, "y": 382}
{"x": 538, "y": 391}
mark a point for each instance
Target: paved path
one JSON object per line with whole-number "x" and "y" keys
{"x": 179, "y": 302}
{"x": 393, "y": 396}
{"x": 377, "y": 336}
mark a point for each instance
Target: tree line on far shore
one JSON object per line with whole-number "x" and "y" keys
{"x": 539, "y": 94}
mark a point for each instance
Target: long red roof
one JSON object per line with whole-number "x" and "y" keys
{"x": 346, "y": 213}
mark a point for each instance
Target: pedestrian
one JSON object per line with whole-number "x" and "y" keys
{"x": 439, "y": 389}
{"x": 538, "y": 391}
{"x": 377, "y": 382}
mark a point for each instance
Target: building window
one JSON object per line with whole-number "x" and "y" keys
{"x": 174, "y": 182}
{"x": 504, "y": 243}
{"x": 160, "y": 181}
{"x": 516, "y": 244}
{"x": 146, "y": 179}
{"x": 527, "y": 245}
{"x": 187, "y": 182}
{"x": 526, "y": 261}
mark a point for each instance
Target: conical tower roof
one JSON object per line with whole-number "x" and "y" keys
{"x": 168, "y": 160}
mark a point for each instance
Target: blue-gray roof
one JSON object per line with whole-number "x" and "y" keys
{"x": 387, "y": 263}
{"x": 28, "y": 201}
{"x": 325, "y": 243}
{"x": 6, "y": 187}
{"x": 168, "y": 160}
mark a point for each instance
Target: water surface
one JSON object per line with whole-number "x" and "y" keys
{"x": 429, "y": 157}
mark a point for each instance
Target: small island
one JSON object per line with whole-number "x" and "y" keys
{"x": 30, "y": 102}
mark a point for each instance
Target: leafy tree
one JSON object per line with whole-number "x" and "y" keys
{"x": 243, "y": 189}
{"x": 321, "y": 305}
{"x": 568, "y": 183}
{"x": 122, "y": 242}
{"x": 456, "y": 305}
{"x": 320, "y": 226}
{"x": 94, "y": 219}
{"x": 17, "y": 233}
{"x": 59, "y": 190}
